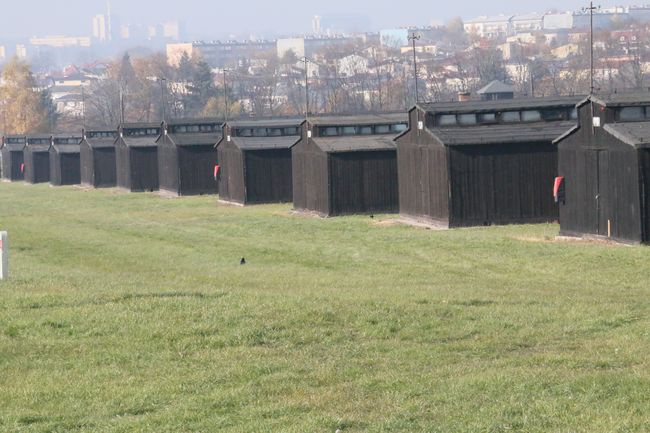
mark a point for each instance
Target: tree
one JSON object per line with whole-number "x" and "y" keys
{"x": 489, "y": 65}
{"x": 25, "y": 109}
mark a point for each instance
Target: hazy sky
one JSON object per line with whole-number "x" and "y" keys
{"x": 205, "y": 18}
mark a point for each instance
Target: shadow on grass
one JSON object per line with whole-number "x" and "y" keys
{"x": 128, "y": 297}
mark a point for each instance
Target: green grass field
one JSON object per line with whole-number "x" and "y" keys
{"x": 131, "y": 313}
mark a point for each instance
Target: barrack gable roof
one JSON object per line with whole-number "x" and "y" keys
{"x": 266, "y": 123}
{"x": 636, "y": 134}
{"x": 14, "y": 147}
{"x": 37, "y": 148}
{"x": 195, "y": 139}
{"x": 66, "y": 148}
{"x": 139, "y": 125}
{"x": 100, "y": 142}
{"x": 369, "y": 119}
{"x": 34, "y": 142}
{"x": 496, "y": 87}
{"x": 13, "y": 143}
{"x": 65, "y": 138}
{"x": 140, "y": 141}
{"x": 195, "y": 121}
{"x": 265, "y": 143}
{"x": 620, "y": 99}
{"x": 501, "y": 105}
{"x": 502, "y": 134}
{"x": 359, "y": 143}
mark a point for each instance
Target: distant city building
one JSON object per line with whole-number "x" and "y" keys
{"x": 61, "y": 41}
{"x": 639, "y": 13}
{"x": 527, "y": 23}
{"x": 133, "y": 32}
{"x": 316, "y": 26}
{"x": 219, "y": 54}
{"x": 490, "y": 27}
{"x": 394, "y": 38}
{"x": 302, "y": 47}
{"x": 154, "y": 31}
{"x": 422, "y": 49}
{"x": 344, "y": 24}
{"x": 295, "y": 45}
{"x": 21, "y": 51}
{"x": 558, "y": 21}
{"x": 100, "y": 28}
{"x": 172, "y": 30}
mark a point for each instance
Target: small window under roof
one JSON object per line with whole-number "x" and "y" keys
{"x": 329, "y": 131}
{"x": 631, "y": 114}
{"x": 531, "y": 116}
{"x": 467, "y": 119}
{"x": 487, "y": 118}
{"x": 511, "y": 116}
{"x": 446, "y": 120}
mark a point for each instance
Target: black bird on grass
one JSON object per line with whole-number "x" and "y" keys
{"x": 242, "y": 261}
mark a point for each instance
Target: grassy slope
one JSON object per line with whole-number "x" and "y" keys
{"x": 131, "y": 313}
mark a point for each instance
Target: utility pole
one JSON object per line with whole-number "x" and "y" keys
{"x": 306, "y": 88}
{"x": 163, "y": 102}
{"x": 415, "y": 37}
{"x": 83, "y": 108}
{"x": 122, "y": 87}
{"x": 225, "y": 96}
{"x": 591, "y": 10}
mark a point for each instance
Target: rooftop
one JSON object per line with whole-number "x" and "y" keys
{"x": 265, "y": 143}
{"x": 496, "y": 86}
{"x": 195, "y": 121}
{"x": 635, "y": 134}
{"x": 359, "y": 143}
{"x": 266, "y": 123}
{"x": 195, "y": 139}
{"x": 502, "y": 134}
{"x": 365, "y": 119}
{"x": 621, "y": 99}
{"x": 501, "y": 105}
{"x": 139, "y": 125}
{"x": 140, "y": 141}
{"x": 66, "y": 148}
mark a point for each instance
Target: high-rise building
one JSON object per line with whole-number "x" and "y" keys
{"x": 21, "y": 51}
{"x": 153, "y": 31}
{"x": 315, "y": 25}
{"x": 172, "y": 30}
{"x": 100, "y": 28}
{"x": 106, "y": 27}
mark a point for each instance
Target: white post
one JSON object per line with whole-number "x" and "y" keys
{"x": 4, "y": 256}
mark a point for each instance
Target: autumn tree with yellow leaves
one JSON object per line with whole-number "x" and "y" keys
{"x": 23, "y": 107}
